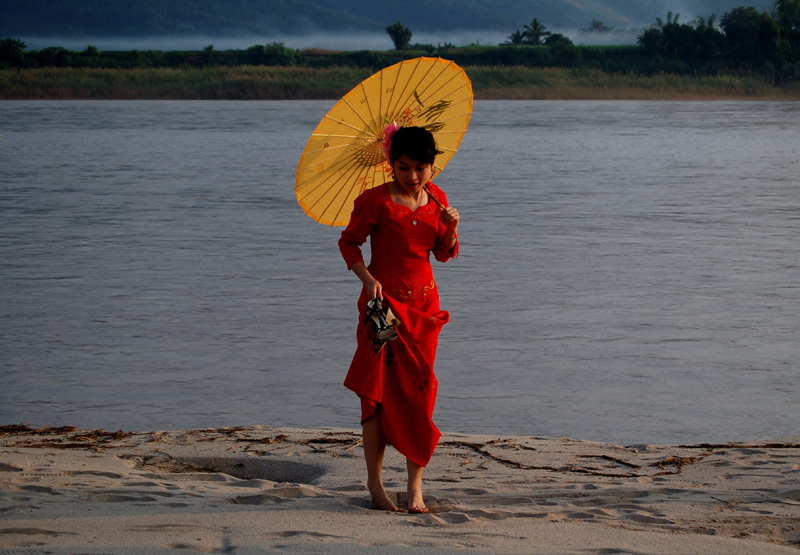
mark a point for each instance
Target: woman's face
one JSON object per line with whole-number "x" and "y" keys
{"x": 412, "y": 175}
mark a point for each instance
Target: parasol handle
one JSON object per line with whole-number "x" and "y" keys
{"x": 433, "y": 197}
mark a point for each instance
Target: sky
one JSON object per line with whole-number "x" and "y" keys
{"x": 687, "y": 9}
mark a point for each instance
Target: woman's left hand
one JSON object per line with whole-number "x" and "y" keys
{"x": 450, "y": 218}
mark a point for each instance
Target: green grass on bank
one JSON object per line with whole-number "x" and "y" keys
{"x": 520, "y": 83}
{"x": 283, "y": 83}
{"x": 238, "y": 83}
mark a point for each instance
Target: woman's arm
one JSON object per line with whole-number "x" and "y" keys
{"x": 447, "y": 244}
{"x": 362, "y": 221}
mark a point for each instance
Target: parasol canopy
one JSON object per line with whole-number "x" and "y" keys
{"x": 344, "y": 156}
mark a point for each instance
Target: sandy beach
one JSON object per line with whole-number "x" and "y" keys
{"x": 258, "y": 489}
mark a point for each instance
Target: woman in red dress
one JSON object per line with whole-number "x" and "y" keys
{"x": 397, "y": 385}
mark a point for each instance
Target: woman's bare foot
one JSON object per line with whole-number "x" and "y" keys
{"x": 416, "y": 504}
{"x": 374, "y": 449}
{"x": 379, "y": 497}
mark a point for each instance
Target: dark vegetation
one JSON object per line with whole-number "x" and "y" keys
{"x": 744, "y": 39}
{"x": 400, "y": 35}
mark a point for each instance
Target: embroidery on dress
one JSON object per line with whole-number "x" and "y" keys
{"x": 410, "y": 291}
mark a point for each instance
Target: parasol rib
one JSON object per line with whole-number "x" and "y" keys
{"x": 372, "y": 115}
{"x": 405, "y": 94}
{"x": 345, "y": 177}
{"x": 332, "y": 178}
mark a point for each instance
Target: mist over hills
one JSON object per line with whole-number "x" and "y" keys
{"x": 265, "y": 19}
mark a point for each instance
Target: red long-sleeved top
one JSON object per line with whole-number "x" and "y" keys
{"x": 400, "y": 378}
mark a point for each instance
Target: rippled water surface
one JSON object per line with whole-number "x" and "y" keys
{"x": 629, "y": 270}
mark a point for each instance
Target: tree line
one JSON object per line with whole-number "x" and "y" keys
{"x": 744, "y": 38}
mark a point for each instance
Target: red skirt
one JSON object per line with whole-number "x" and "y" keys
{"x": 400, "y": 380}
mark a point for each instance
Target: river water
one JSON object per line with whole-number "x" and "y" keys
{"x": 628, "y": 270}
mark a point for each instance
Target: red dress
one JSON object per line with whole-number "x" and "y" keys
{"x": 400, "y": 378}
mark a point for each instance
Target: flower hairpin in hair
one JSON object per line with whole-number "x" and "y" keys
{"x": 389, "y": 130}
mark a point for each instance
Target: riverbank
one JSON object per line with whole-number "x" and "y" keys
{"x": 252, "y": 489}
{"x": 298, "y": 83}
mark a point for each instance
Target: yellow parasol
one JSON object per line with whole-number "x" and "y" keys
{"x": 344, "y": 155}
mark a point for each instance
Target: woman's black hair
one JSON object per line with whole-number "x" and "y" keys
{"x": 416, "y": 143}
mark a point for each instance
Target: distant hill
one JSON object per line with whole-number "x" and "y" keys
{"x": 125, "y": 18}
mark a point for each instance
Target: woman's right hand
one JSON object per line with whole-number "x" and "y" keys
{"x": 374, "y": 289}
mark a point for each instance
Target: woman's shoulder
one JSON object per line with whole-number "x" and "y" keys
{"x": 374, "y": 193}
{"x": 370, "y": 201}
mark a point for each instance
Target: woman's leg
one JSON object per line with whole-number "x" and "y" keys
{"x": 374, "y": 449}
{"x": 415, "y": 502}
